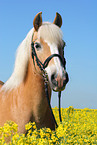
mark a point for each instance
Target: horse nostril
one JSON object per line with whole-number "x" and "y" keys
{"x": 67, "y": 78}
{"x": 53, "y": 79}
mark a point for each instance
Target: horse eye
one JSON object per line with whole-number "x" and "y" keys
{"x": 37, "y": 46}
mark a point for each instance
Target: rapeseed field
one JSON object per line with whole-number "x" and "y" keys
{"x": 78, "y": 127}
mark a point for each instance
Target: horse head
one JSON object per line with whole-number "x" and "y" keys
{"x": 47, "y": 40}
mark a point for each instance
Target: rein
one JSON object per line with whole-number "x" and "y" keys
{"x": 42, "y": 67}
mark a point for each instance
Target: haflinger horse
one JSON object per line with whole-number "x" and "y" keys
{"x": 22, "y": 97}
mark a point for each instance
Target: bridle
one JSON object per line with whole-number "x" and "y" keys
{"x": 42, "y": 67}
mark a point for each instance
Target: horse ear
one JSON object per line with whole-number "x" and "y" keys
{"x": 58, "y": 20}
{"x": 37, "y": 22}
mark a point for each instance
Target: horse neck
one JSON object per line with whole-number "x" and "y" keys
{"x": 34, "y": 82}
{"x": 34, "y": 92}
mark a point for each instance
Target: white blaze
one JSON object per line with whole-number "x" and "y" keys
{"x": 56, "y": 67}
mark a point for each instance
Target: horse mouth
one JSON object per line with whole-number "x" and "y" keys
{"x": 59, "y": 84}
{"x": 57, "y": 89}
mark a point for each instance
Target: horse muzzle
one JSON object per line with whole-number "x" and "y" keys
{"x": 58, "y": 83}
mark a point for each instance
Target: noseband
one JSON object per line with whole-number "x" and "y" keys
{"x": 42, "y": 67}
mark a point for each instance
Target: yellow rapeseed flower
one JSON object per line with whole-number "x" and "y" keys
{"x": 79, "y": 126}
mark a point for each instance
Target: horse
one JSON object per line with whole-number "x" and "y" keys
{"x": 22, "y": 96}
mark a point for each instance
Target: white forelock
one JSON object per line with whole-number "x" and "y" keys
{"x": 51, "y": 33}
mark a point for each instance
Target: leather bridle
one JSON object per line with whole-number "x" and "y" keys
{"x": 42, "y": 67}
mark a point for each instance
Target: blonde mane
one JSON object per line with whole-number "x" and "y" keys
{"x": 47, "y": 31}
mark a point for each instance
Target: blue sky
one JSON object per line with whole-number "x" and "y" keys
{"x": 80, "y": 34}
